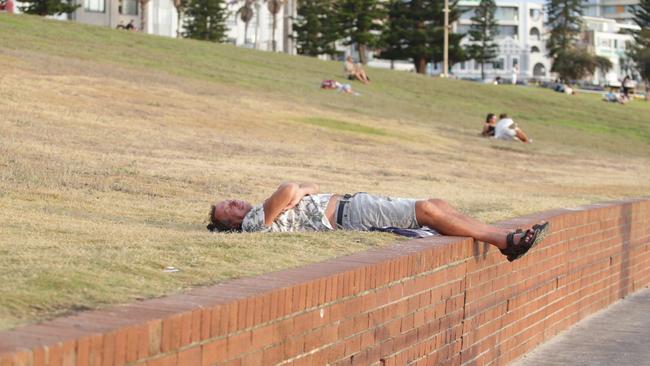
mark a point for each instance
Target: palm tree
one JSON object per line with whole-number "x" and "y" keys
{"x": 274, "y": 7}
{"x": 246, "y": 14}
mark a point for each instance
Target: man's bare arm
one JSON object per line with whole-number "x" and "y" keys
{"x": 285, "y": 197}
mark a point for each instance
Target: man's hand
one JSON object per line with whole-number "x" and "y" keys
{"x": 287, "y": 196}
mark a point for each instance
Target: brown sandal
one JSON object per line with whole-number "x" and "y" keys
{"x": 530, "y": 238}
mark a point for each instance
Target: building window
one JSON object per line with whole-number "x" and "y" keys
{"x": 466, "y": 13}
{"x": 463, "y": 28}
{"x": 507, "y": 31}
{"x": 534, "y": 49}
{"x": 609, "y": 10}
{"x": 535, "y": 13}
{"x": 462, "y": 65}
{"x": 534, "y": 34}
{"x": 128, "y": 7}
{"x": 498, "y": 65}
{"x": 539, "y": 70}
{"x": 515, "y": 62}
{"x": 95, "y": 5}
{"x": 506, "y": 13}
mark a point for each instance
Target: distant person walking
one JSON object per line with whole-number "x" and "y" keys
{"x": 355, "y": 71}
{"x": 515, "y": 73}
{"x": 507, "y": 129}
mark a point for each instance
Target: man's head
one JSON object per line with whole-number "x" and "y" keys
{"x": 350, "y": 59}
{"x": 503, "y": 115}
{"x": 228, "y": 215}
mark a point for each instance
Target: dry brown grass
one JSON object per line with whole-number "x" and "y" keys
{"x": 107, "y": 171}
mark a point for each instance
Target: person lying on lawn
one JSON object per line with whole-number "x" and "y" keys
{"x": 300, "y": 207}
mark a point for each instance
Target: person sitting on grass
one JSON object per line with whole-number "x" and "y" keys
{"x": 507, "y": 129}
{"x": 355, "y": 71}
{"x": 299, "y": 207}
{"x": 488, "y": 126}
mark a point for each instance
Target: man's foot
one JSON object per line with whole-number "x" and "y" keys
{"x": 527, "y": 240}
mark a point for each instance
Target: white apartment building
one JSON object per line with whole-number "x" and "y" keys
{"x": 619, "y": 10}
{"x": 520, "y": 41}
{"x": 604, "y": 37}
{"x": 161, "y": 18}
{"x": 258, "y": 33}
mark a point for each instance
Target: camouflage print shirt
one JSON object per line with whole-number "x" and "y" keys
{"x": 308, "y": 215}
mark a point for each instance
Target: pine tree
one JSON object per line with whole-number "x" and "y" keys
{"x": 205, "y": 19}
{"x": 482, "y": 31}
{"x": 564, "y": 22}
{"x": 315, "y": 28}
{"x": 415, "y": 31}
{"x": 575, "y": 64}
{"x": 47, "y": 7}
{"x": 569, "y": 61}
{"x": 360, "y": 23}
{"x": 640, "y": 51}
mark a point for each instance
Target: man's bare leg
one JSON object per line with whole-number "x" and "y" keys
{"x": 441, "y": 217}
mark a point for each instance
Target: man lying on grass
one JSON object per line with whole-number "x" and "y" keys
{"x": 299, "y": 207}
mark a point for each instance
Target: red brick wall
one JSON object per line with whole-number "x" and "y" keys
{"x": 433, "y": 301}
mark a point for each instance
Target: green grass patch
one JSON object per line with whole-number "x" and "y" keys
{"x": 338, "y": 125}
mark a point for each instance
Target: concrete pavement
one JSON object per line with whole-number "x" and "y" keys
{"x": 618, "y": 335}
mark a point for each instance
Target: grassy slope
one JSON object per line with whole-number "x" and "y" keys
{"x": 113, "y": 143}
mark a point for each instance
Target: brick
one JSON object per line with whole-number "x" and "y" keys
{"x": 186, "y": 329}
{"x": 214, "y": 352}
{"x": 253, "y": 359}
{"x": 55, "y": 355}
{"x": 96, "y": 350}
{"x": 154, "y": 337}
{"x": 83, "y": 351}
{"x": 195, "y": 334}
{"x": 108, "y": 350}
{"x": 190, "y": 357}
{"x": 167, "y": 360}
{"x": 120, "y": 346}
{"x": 238, "y": 344}
{"x": 263, "y": 336}
{"x": 171, "y": 333}
{"x": 69, "y": 353}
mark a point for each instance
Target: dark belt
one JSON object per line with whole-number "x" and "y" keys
{"x": 339, "y": 212}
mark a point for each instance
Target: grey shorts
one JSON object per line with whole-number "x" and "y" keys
{"x": 366, "y": 210}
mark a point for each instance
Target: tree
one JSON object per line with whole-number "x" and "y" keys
{"x": 569, "y": 61}
{"x": 482, "y": 31}
{"x": 143, "y": 15}
{"x": 47, "y": 7}
{"x": 575, "y": 64}
{"x": 274, "y": 7}
{"x": 180, "y": 6}
{"x": 246, "y": 14}
{"x": 564, "y": 22}
{"x": 640, "y": 51}
{"x": 205, "y": 19}
{"x": 415, "y": 31}
{"x": 360, "y": 22}
{"x": 315, "y": 28}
